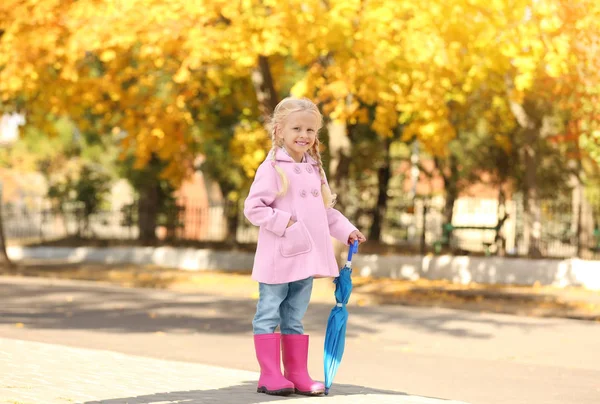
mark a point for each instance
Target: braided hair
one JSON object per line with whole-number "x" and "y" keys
{"x": 328, "y": 197}
{"x": 281, "y": 112}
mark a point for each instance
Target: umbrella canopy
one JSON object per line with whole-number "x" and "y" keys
{"x": 335, "y": 334}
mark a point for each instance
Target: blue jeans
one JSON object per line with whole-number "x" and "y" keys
{"x": 282, "y": 304}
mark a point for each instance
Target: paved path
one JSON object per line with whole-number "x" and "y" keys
{"x": 41, "y": 373}
{"x": 446, "y": 354}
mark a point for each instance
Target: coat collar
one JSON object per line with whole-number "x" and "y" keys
{"x": 281, "y": 155}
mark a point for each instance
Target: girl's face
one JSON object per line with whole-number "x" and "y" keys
{"x": 298, "y": 133}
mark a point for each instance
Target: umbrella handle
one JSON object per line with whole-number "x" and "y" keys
{"x": 353, "y": 250}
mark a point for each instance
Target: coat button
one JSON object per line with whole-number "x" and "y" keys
{"x": 315, "y": 192}
{"x": 303, "y": 193}
{"x": 309, "y": 169}
{"x": 297, "y": 169}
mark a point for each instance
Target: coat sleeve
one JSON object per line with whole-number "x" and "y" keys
{"x": 257, "y": 207}
{"x": 339, "y": 226}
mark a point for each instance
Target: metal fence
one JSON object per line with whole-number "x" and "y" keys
{"x": 416, "y": 226}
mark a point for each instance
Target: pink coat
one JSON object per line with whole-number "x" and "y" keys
{"x": 305, "y": 248}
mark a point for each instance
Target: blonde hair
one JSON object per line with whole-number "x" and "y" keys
{"x": 281, "y": 112}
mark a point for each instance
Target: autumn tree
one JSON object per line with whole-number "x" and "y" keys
{"x": 542, "y": 50}
{"x": 175, "y": 79}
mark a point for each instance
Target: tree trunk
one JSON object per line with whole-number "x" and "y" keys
{"x": 7, "y": 262}
{"x": 576, "y": 211}
{"x": 266, "y": 95}
{"x": 148, "y": 212}
{"x": 583, "y": 221}
{"x": 531, "y": 125}
{"x": 172, "y": 222}
{"x": 502, "y": 216}
{"x": 533, "y": 226}
{"x": 231, "y": 211}
{"x": 340, "y": 149}
{"x": 579, "y": 221}
{"x": 233, "y": 218}
{"x": 582, "y": 224}
{"x": 383, "y": 179}
{"x": 451, "y": 188}
{"x": 450, "y": 176}
{"x": 423, "y": 239}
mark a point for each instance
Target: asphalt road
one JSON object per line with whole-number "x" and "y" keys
{"x": 439, "y": 353}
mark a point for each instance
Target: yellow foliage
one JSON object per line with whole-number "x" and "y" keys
{"x": 155, "y": 68}
{"x": 249, "y": 146}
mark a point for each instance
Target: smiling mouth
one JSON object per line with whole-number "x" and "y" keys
{"x": 302, "y": 143}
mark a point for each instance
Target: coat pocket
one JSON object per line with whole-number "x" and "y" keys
{"x": 295, "y": 241}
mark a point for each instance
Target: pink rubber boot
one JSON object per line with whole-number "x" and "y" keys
{"x": 295, "y": 359}
{"x": 268, "y": 353}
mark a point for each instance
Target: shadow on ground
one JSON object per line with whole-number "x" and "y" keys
{"x": 88, "y": 306}
{"x": 244, "y": 394}
{"x": 573, "y": 303}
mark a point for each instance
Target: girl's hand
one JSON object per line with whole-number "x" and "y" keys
{"x": 356, "y": 235}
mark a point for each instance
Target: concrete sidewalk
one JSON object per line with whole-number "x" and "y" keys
{"x": 39, "y": 373}
{"x": 480, "y": 358}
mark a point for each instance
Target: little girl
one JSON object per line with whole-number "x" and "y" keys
{"x": 291, "y": 201}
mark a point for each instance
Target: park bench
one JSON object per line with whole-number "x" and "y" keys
{"x": 448, "y": 230}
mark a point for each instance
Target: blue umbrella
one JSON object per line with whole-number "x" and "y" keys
{"x": 335, "y": 334}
